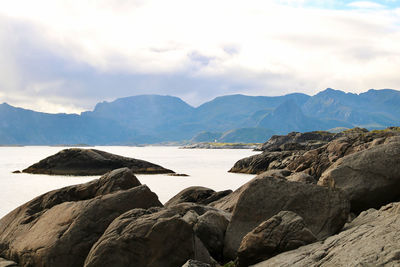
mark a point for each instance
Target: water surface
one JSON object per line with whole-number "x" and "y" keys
{"x": 206, "y": 167}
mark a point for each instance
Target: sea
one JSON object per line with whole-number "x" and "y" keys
{"x": 205, "y": 167}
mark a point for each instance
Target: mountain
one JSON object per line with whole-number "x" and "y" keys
{"x": 155, "y": 118}
{"x": 237, "y": 111}
{"x": 241, "y": 135}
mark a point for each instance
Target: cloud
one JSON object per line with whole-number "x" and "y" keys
{"x": 366, "y": 4}
{"x": 82, "y": 52}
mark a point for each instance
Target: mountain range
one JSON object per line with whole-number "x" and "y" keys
{"x": 147, "y": 119}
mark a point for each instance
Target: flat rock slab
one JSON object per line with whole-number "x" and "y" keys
{"x": 81, "y": 162}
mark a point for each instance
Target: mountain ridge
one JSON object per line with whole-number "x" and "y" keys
{"x": 162, "y": 118}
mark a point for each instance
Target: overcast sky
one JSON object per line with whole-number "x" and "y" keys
{"x": 65, "y": 56}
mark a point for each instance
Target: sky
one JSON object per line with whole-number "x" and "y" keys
{"x": 66, "y": 56}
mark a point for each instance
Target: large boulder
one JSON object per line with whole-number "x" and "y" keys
{"x": 157, "y": 238}
{"x": 372, "y": 239}
{"x": 60, "y": 227}
{"x": 78, "y": 161}
{"x": 282, "y": 232}
{"x": 370, "y": 178}
{"x": 197, "y": 194}
{"x": 210, "y": 228}
{"x": 324, "y": 210}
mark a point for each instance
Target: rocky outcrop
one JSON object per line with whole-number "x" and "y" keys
{"x": 282, "y": 232}
{"x": 297, "y": 141}
{"x": 312, "y": 160}
{"x": 197, "y": 194}
{"x": 148, "y": 238}
{"x": 324, "y": 210}
{"x": 372, "y": 239}
{"x": 370, "y": 178}
{"x": 78, "y": 161}
{"x": 60, "y": 227}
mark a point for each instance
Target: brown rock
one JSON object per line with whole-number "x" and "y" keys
{"x": 145, "y": 238}
{"x": 370, "y": 178}
{"x": 324, "y": 210}
{"x": 197, "y": 194}
{"x": 59, "y": 227}
{"x": 372, "y": 239}
{"x": 282, "y": 232}
{"x": 78, "y": 161}
{"x": 210, "y": 228}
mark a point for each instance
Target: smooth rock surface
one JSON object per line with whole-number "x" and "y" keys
{"x": 159, "y": 238}
{"x": 197, "y": 194}
{"x": 210, "y": 228}
{"x": 282, "y": 232}
{"x": 324, "y": 210}
{"x": 78, "y": 161}
{"x": 372, "y": 239}
{"x": 60, "y": 227}
{"x": 7, "y": 263}
{"x": 370, "y": 178}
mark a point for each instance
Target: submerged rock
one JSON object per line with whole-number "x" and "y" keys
{"x": 78, "y": 161}
{"x": 372, "y": 239}
{"x": 59, "y": 228}
{"x": 282, "y": 232}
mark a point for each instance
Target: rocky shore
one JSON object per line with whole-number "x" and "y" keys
{"x": 210, "y": 145}
{"x": 320, "y": 199}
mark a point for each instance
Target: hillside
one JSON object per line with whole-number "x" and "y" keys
{"x": 153, "y": 118}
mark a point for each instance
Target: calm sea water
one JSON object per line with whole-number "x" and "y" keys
{"x": 206, "y": 167}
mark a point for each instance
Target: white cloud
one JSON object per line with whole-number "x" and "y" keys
{"x": 262, "y": 47}
{"x": 365, "y": 4}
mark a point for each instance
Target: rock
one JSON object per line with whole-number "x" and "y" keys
{"x": 194, "y": 263}
{"x": 324, "y": 210}
{"x": 17, "y": 171}
{"x": 210, "y": 228}
{"x": 197, "y": 194}
{"x": 371, "y": 178}
{"x": 146, "y": 238}
{"x": 313, "y": 152}
{"x": 191, "y": 217}
{"x": 60, "y": 227}
{"x": 297, "y": 141}
{"x": 301, "y": 177}
{"x": 282, "y": 232}
{"x": 178, "y": 174}
{"x": 372, "y": 239}
{"x": 78, "y": 161}
{"x": 7, "y": 263}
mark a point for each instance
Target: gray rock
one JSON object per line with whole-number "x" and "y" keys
{"x": 78, "y": 161}
{"x": 324, "y": 210}
{"x": 155, "y": 239}
{"x": 210, "y": 228}
{"x": 372, "y": 239}
{"x": 60, "y": 227}
{"x": 197, "y": 194}
{"x": 282, "y": 232}
{"x": 371, "y": 178}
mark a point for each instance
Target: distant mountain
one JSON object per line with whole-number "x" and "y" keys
{"x": 241, "y": 135}
{"x": 154, "y": 118}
